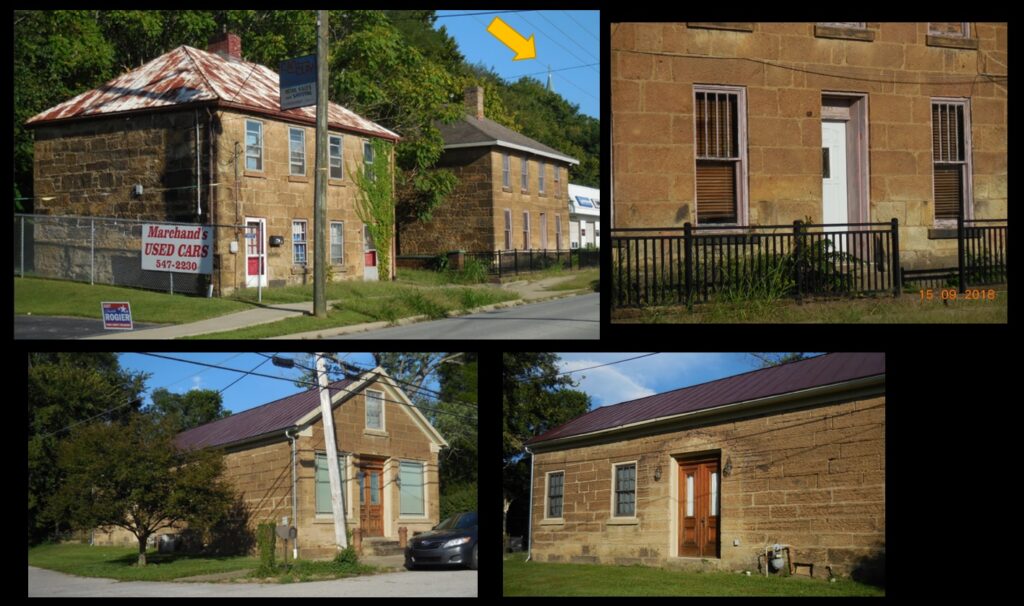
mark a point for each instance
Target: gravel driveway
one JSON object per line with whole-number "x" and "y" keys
{"x": 454, "y": 583}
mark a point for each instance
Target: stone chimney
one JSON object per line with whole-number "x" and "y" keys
{"x": 475, "y": 101}
{"x": 227, "y": 45}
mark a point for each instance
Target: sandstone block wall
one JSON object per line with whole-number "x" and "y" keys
{"x": 652, "y": 120}
{"x": 813, "y": 478}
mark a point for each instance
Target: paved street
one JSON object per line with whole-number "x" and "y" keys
{"x": 429, "y": 583}
{"x": 568, "y": 318}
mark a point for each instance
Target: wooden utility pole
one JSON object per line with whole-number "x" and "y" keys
{"x": 320, "y": 180}
{"x": 337, "y": 502}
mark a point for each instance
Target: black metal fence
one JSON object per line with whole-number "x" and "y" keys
{"x": 657, "y": 266}
{"x": 981, "y": 258}
{"x": 503, "y": 263}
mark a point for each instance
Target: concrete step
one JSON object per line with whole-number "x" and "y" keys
{"x": 381, "y": 547}
{"x": 694, "y": 564}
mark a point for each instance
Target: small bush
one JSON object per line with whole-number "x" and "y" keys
{"x": 473, "y": 271}
{"x": 460, "y": 497}
{"x": 422, "y": 305}
{"x": 347, "y": 559}
{"x": 266, "y": 537}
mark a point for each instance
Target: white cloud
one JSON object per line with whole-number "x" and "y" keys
{"x": 197, "y": 382}
{"x": 606, "y": 385}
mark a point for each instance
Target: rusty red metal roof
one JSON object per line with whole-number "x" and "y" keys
{"x": 819, "y": 371}
{"x": 273, "y": 416}
{"x": 187, "y": 76}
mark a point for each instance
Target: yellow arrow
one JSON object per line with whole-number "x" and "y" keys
{"x": 525, "y": 49}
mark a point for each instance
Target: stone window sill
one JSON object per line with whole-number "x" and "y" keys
{"x": 252, "y": 173}
{"x": 339, "y": 182}
{"x": 375, "y": 432}
{"x": 525, "y": 192}
{"x": 508, "y": 189}
{"x": 942, "y": 233}
{"x": 414, "y": 520}
{"x": 298, "y": 269}
{"x": 952, "y": 42}
{"x": 552, "y": 522}
{"x": 736, "y": 27}
{"x": 843, "y": 33}
{"x": 298, "y": 179}
{"x": 623, "y": 521}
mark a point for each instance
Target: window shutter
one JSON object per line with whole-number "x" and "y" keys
{"x": 716, "y": 192}
{"x": 948, "y": 188}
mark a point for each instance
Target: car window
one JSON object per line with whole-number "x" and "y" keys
{"x": 459, "y": 520}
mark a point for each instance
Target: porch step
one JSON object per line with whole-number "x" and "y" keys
{"x": 381, "y": 547}
{"x": 694, "y": 564}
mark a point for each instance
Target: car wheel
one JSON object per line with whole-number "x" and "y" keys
{"x": 472, "y": 561}
{"x": 408, "y": 564}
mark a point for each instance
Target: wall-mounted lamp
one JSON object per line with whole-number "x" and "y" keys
{"x": 657, "y": 473}
{"x": 727, "y": 470}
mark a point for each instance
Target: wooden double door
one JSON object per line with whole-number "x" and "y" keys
{"x": 699, "y": 508}
{"x": 371, "y": 497}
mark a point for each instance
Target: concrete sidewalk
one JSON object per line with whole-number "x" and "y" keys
{"x": 529, "y": 292}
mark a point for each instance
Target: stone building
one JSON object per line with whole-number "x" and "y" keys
{"x": 708, "y": 475}
{"x": 387, "y": 452}
{"x": 511, "y": 194}
{"x": 202, "y": 135}
{"x": 767, "y": 123}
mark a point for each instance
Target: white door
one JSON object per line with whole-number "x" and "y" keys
{"x": 369, "y": 256}
{"x": 255, "y": 252}
{"x": 574, "y": 234}
{"x": 833, "y": 178}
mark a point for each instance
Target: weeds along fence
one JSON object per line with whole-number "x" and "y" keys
{"x": 981, "y": 258}
{"x": 657, "y": 266}
{"x": 97, "y": 250}
{"x": 503, "y": 263}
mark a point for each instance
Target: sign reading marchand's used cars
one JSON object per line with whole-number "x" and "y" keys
{"x": 183, "y": 248}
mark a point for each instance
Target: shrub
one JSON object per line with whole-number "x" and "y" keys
{"x": 266, "y": 537}
{"x": 458, "y": 497}
{"x": 473, "y": 271}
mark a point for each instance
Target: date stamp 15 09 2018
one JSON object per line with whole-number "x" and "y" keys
{"x": 951, "y": 294}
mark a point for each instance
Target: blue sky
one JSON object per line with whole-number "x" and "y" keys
{"x": 650, "y": 375}
{"x": 251, "y": 391}
{"x": 564, "y": 39}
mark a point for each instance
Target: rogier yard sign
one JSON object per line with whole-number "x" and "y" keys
{"x": 181, "y": 248}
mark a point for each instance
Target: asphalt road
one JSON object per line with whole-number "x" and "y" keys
{"x": 568, "y": 318}
{"x": 53, "y": 327}
{"x": 428, "y": 583}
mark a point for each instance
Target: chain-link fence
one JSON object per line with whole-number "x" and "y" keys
{"x": 97, "y": 250}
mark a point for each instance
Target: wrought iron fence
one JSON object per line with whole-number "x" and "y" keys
{"x": 981, "y": 258}
{"x": 97, "y": 250}
{"x": 503, "y": 263}
{"x": 657, "y": 266}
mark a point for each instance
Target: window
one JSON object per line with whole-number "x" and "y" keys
{"x": 334, "y": 151}
{"x": 337, "y": 243}
{"x": 719, "y": 115}
{"x": 525, "y": 174}
{"x": 950, "y": 158}
{"x": 374, "y": 410}
{"x": 953, "y": 30}
{"x": 543, "y": 231}
{"x": 368, "y": 159}
{"x": 323, "y": 483}
{"x": 846, "y": 24}
{"x": 540, "y": 176}
{"x": 506, "y": 176}
{"x": 558, "y": 180}
{"x": 410, "y": 479}
{"x": 554, "y": 500}
{"x": 508, "y": 229}
{"x": 846, "y": 30}
{"x": 253, "y": 145}
{"x": 625, "y": 489}
{"x": 526, "y": 230}
{"x": 558, "y": 232}
{"x": 299, "y": 242}
{"x": 297, "y": 152}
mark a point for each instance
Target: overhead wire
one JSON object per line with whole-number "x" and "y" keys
{"x": 608, "y": 364}
{"x": 555, "y": 40}
{"x": 569, "y": 37}
{"x": 592, "y": 35}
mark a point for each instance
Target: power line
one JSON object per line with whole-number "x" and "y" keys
{"x": 555, "y": 40}
{"x": 561, "y": 69}
{"x": 571, "y": 39}
{"x": 481, "y": 13}
{"x": 243, "y": 376}
{"x": 608, "y": 364}
{"x": 797, "y": 69}
{"x": 592, "y": 35}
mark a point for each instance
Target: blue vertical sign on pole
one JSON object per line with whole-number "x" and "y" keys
{"x": 298, "y": 82}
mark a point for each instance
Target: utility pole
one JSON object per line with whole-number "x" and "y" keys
{"x": 320, "y": 181}
{"x": 337, "y": 503}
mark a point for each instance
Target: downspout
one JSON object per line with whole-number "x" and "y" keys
{"x": 529, "y": 519}
{"x": 295, "y": 521}
{"x": 199, "y": 175}
{"x": 238, "y": 215}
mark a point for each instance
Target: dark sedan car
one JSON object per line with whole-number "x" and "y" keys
{"x": 450, "y": 543}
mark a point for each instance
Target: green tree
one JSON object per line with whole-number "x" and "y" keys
{"x": 66, "y": 389}
{"x": 774, "y": 359}
{"x": 133, "y": 477}
{"x": 375, "y": 204}
{"x": 190, "y": 409}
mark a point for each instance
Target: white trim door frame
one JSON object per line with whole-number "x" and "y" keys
{"x": 255, "y": 252}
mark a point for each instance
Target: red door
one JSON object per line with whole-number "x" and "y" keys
{"x": 699, "y": 509}
{"x": 371, "y": 494}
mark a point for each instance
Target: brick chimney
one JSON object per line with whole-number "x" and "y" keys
{"x": 475, "y": 101}
{"x": 226, "y": 45}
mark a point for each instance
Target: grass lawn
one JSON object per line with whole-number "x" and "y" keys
{"x": 543, "y": 579}
{"x": 360, "y": 302}
{"x": 587, "y": 278}
{"x": 63, "y": 298}
{"x": 316, "y": 570}
{"x": 908, "y": 309}
{"x": 120, "y": 562}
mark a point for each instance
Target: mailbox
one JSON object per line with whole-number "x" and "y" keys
{"x": 286, "y": 532}
{"x": 276, "y": 240}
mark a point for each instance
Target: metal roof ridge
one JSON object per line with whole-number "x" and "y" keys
{"x": 186, "y": 48}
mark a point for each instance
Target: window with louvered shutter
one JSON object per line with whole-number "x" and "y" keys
{"x": 950, "y": 158}
{"x": 719, "y": 139}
